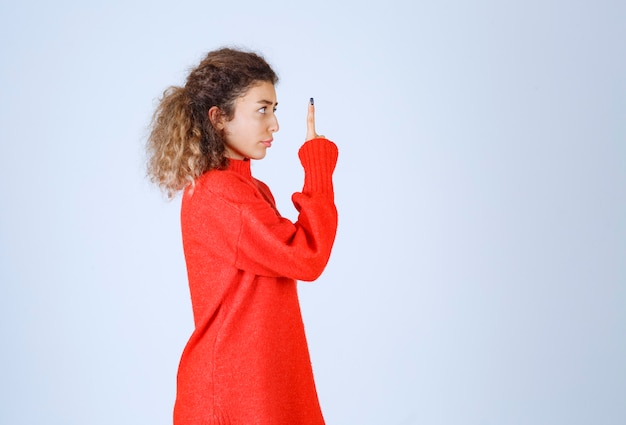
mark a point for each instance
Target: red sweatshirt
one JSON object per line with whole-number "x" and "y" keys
{"x": 247, "y": 361}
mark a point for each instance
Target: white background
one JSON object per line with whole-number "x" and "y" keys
{"x": 479, "y": 273}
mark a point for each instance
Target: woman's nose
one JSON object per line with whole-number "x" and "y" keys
{"x": 274, "y": 124}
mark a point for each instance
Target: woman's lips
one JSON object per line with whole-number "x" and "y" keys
{"x": 267, "y": 143}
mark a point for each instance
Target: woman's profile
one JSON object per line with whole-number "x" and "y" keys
{"x": 247, "y": 360}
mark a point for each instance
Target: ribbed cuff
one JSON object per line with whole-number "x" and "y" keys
{"x": 318, "y": 157}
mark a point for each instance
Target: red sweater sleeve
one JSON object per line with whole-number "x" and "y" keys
{"x": 274, "y": 246}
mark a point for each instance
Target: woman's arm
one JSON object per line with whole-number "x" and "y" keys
{"x": 274, "y": 246}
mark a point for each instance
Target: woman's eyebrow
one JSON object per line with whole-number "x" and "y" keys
{"x": 266, "y": 102}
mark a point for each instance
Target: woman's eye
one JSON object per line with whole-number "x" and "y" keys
{"x": 262, "y": 110}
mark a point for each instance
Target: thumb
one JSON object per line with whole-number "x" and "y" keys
{"x": 310, "y": 122}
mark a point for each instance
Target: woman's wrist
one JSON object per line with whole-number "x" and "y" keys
{"x": 319, "y": 158}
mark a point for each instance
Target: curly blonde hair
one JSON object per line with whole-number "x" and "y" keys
{"x": 183, "y": 144}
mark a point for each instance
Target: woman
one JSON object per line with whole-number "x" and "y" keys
{"x": 247, "y": 361}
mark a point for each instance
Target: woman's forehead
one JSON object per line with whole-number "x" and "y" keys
{"x": 261, "y": 92}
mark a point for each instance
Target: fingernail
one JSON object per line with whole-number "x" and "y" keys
{"x": 311, "y": 101}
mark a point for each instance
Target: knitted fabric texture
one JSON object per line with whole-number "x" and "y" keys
{"x": 247, "y": 361}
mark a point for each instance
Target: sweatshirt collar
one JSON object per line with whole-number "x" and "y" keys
{"x": 240, "y": 166}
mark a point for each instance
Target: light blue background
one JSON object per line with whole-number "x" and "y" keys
{"x": 479, "y": 273}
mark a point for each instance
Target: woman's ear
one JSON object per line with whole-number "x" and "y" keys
{"x": 216, "y": 118}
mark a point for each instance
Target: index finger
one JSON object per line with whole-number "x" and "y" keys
{"x": 310, "y": 121}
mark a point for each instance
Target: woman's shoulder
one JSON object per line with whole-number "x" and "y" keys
{"x": 228, "y": 186}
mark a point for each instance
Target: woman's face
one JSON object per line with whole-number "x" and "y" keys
{"x": 249, "y": 133}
